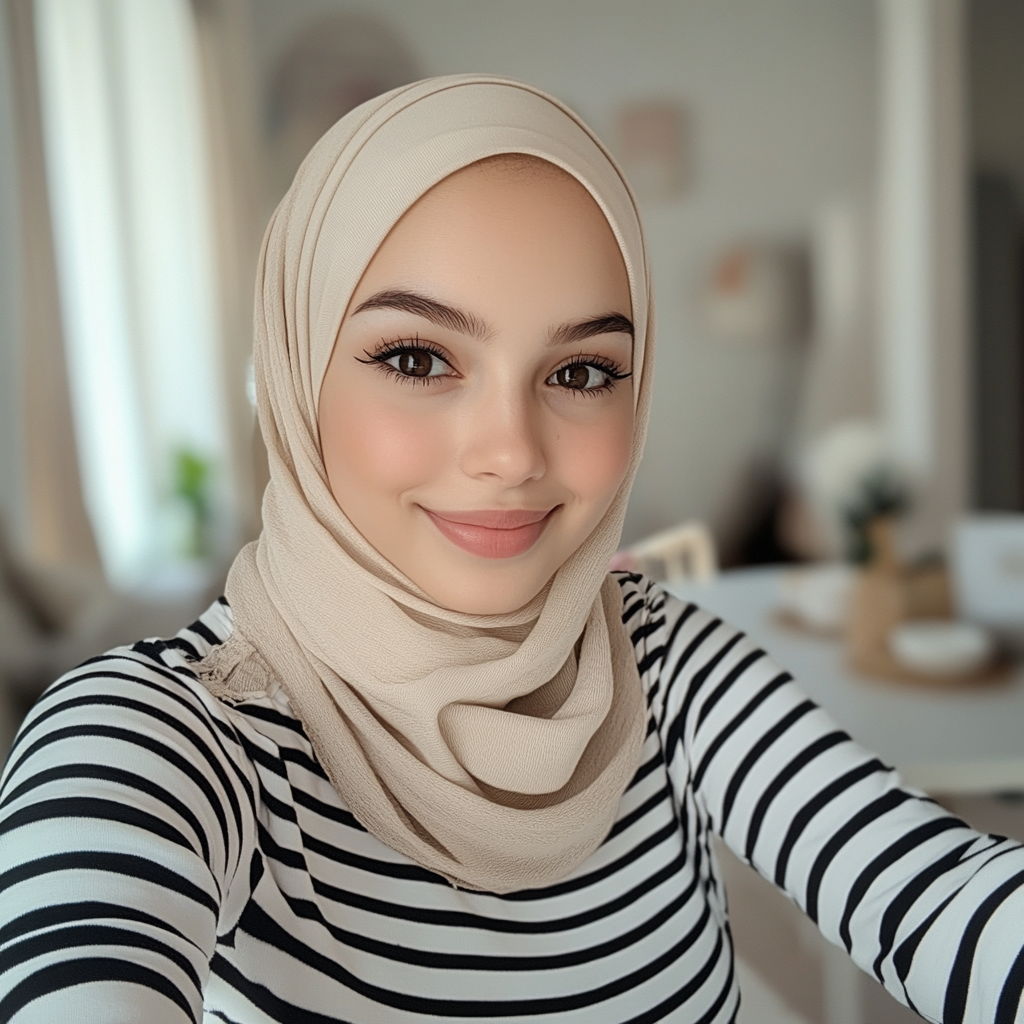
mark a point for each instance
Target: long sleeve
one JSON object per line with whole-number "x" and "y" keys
{"x": 930, "y": 907}
{"x": 126, "y": 828}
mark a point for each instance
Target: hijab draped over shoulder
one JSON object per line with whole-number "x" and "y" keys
{"x": 491, "y": 749}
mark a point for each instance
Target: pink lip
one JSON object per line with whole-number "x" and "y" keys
{"x": 497, "y": 533}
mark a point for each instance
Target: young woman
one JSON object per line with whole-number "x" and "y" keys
{"x": 428, "y": 760}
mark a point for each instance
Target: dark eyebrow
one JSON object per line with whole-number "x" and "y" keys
{"x": 430, "y": 309}
{"x": 609, "y": 323}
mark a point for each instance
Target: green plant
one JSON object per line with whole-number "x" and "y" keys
{"x": 192, "y": 474}
{"x": 882, "y": 492}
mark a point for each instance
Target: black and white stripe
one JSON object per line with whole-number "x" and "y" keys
{"x": 167, "y": 857}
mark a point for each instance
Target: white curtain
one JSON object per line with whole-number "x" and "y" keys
{"x": 128, "y": 176}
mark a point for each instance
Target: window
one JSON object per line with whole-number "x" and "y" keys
{"x": 128, "y": 182}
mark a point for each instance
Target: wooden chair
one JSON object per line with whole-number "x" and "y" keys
{"x": 684, "y": 553}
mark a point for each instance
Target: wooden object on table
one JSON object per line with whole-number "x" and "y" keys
{"x": 887, "y": 593}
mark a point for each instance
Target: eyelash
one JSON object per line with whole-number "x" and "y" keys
{"x": 609, "y": 367}
{"x": 389, "y": 349}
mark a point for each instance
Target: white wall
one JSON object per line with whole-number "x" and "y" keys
{"x": 11, "y": 477}
{"x": 781, "y": 97}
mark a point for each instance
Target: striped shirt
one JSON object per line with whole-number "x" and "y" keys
{"x": 168, "y": 857}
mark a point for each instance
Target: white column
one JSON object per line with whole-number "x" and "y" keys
{"x": 922, "y": 258}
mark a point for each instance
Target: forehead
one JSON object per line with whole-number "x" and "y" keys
{"x": 516, "y": 167}
{"x": 502, "y": 216}
{"x": 512, "y": 174}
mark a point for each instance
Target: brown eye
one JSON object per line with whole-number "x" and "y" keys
{"x": 579, "y": 377}
{"x": 417, "y": 363}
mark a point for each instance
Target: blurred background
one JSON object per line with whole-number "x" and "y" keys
{"x": 832, "y": 197}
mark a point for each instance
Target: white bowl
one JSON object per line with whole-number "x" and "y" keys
{"x": 818, "y": 596}
{"x": 940, "y": 647}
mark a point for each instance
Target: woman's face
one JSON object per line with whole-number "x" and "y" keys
{"x": 476, "y": 416}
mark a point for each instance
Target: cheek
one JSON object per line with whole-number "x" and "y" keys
{"x": 382, "y": 448}
{"x": 593, "y": 457}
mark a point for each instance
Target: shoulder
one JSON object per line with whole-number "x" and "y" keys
{"x": 661, "y": 626}
{"x": 145, "y": 695}
{"x": 685, "y": 653}
{"x": 648, "y": 607}
{"x": 128, "y": 807}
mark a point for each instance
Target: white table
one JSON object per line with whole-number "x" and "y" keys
{"x": 957, "y": 741}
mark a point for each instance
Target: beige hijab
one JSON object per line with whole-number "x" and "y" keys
{"x": 493, "y": 750}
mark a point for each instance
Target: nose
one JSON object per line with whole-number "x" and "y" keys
{"x": 503, "y": 437}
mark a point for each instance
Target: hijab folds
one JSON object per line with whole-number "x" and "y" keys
{"x": 492, "y": 749}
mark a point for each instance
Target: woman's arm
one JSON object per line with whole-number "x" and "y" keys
{"x": 125, "y": 816}
{"x": 930, "y": 907}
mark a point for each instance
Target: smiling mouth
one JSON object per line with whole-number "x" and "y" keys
{"x": 493, "y": 533}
